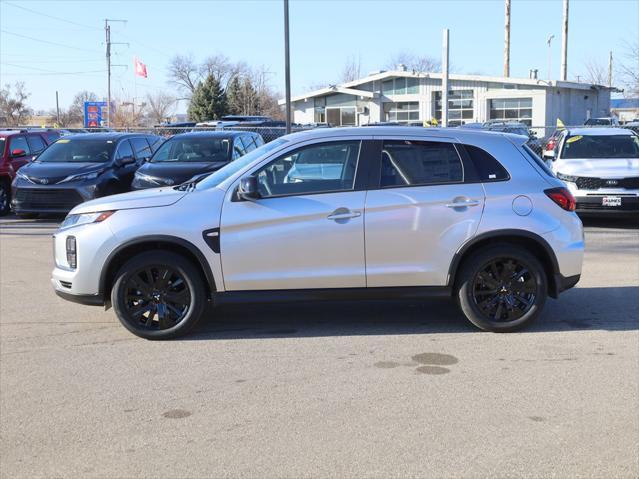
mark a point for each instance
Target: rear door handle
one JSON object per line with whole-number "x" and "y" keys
{"x": 463, "y": 204}
{"x": 343, "y": 214}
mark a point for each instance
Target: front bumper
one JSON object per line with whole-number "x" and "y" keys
{"x": 86, "y": 299}
{"x": 60, "y": 198}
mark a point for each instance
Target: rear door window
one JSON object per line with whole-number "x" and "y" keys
{"x": 415, "y": 163}
{"x": 141, "y": 148}
{"x": 238, "y": 148}
{"x": 124, "y": 150}
{"x": 36, "y": 144}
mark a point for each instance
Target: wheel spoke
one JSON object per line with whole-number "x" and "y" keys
{"x": 488, "y": 281}
{"x": 500, "y": 308}
{"x": 180, "y": 297}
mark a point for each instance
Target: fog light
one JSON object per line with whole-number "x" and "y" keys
{"x": 71, "y": 252}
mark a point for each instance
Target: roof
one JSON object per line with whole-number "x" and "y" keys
{"x": 599, "y": 131}
{"x": 109, "y": 135}
{"x": 212, "y": 134}
{"x": 400, "y": 131}
{"x": 352, "y": 85}
{"x": 621, "y": 103}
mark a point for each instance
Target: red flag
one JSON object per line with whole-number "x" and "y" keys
{"x": 140, "y": 68}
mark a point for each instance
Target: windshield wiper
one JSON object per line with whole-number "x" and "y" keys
{"x": 190, "y": 185}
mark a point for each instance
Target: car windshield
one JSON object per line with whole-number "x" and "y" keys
{"x": 78, "y": 151}
{"x": 229, "y": 170}
{"x": 195, "y": 149}
{"x": 597, "y": 122}
{"x": 601, "y": 146}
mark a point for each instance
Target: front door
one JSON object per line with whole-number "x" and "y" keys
{"x": 306, "y": 231}
{"x": 420, "y": 214}
{"x": 19, "y": 143}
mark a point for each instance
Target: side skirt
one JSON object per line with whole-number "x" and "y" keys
{"x": 331, "y": 294}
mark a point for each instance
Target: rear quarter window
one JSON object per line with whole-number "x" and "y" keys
{"x": 487, "y": 166}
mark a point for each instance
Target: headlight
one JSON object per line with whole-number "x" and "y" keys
{"x": 83, "y": 176}
{"x": 19, "y": 174}
{"x": 85, "y": 218}
{"x": 154, "y": 180}
{"x": 569, "y": 178}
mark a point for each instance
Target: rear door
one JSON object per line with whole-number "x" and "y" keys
{"x": 420, "y": 209}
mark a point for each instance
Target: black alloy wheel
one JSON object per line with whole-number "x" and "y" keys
{"x": 501, "y": 288}
{"x": 157, "y": 297}
{"x": 504, "y": 289}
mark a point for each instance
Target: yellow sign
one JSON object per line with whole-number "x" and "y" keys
{"x": 572, "y": 139}
{"x": 63, "y": 141}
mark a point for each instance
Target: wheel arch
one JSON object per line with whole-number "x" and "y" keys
{"x": 154, "y": 242}
{"x": 532, "y": 242}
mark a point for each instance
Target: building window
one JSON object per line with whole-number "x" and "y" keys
{"x": 341, "y": 116}
{"x": 512, "y": 109}
{"x": 460, "y": 106}
{"x": 320, "y": 110}
{"x": 400, "y": 86}
{"x": 401, "y": 112}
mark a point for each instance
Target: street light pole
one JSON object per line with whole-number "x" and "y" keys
{"x": 287, "y": 69}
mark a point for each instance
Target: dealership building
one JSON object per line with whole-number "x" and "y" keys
{"x": 415, "y": 98}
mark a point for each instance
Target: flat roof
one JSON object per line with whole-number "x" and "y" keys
{"x": 600, "y": 131}
{"x": 453, "y": 76}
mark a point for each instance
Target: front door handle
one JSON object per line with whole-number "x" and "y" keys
{"x": 343, "y": 214}
{"x": 463, "y": 203}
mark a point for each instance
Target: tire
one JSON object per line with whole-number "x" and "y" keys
{"x": 158, "y": 295}
{"x": 5, "y": 197}
{"x": 502, "y": 288}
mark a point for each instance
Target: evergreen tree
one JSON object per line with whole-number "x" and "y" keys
{"x": 233, "y": 96}
{"x": 208, "y": 101}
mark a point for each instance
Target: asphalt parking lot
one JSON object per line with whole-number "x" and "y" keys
{"x": 375, "y": 389}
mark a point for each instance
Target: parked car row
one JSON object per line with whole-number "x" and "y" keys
{"x": 82, "y": 167}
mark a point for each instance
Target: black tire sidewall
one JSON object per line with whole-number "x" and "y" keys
{"x": 191, "y": 277}
{"x": 476, "y": 263}
{"x": 5, "y": 208}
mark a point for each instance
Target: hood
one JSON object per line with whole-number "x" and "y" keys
{"x": 599, "y": 167}
{"x": 180, "y": 172}
{"x": 55, "y": 172}
{"x": 151, "y": 198}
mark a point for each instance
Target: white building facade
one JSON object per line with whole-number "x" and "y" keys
{"x": 415, "y": 98}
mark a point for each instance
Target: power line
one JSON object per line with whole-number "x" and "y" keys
{"x": 48, "y": 42}
{"x": 51, "y": 16}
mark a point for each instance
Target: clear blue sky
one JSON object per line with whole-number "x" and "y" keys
{"x": 324, "y": 34}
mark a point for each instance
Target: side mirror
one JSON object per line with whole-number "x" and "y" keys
{"x": 248, "y": 188}
{"x": 126, "y": 160}
{"x": 18, "y": 153}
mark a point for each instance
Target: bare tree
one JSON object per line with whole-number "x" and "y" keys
{"x": 352, "y": 69}
{"x": 13, "y": 107}
{"x": 628, "y": 69}
{"x": 127, "y": 114}
{"x": 414, "y": 62}
{"x": 185, "y": 73}
{"x": 596, "y": 72}
{"x": 161, "y": 105}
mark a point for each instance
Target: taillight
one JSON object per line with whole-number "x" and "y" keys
{"x": 551, "y": 144}
{"x": 562, "y": 197}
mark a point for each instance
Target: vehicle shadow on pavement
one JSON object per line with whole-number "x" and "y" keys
{"x": 610, "y": 309}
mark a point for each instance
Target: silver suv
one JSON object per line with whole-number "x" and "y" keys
{"x": 376, "y": 212}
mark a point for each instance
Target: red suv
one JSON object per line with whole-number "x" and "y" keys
{"x": 17, "y": 147}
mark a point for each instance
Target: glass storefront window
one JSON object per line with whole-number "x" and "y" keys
{"x": 401, "y": 86}
{"x": 512, "y": 109}
{"x": 401, "y": 112}
{"x": 460, "y": 106}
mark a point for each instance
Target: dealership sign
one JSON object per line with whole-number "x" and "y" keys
{"x": 95, "y": 114}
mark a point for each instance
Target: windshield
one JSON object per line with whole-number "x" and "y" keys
{"x": 597, "y": 122}
{"x": 601, "y": 146}
{"x": 229, "y": 170}
{"x": 193, "y": 149}
{"x": 78, "y": 151}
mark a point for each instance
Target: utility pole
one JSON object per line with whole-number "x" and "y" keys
{"x": 610, "y": 70}
{"x": 57, "y": 109}
{"x": 287, "y": 69}
{"x": 507, "y": 42}
{"x": 564, "y": 44}
{"x": 107, "y": 32}
{"x": 445, "y": 78}
{"x": 549, "y": 42}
